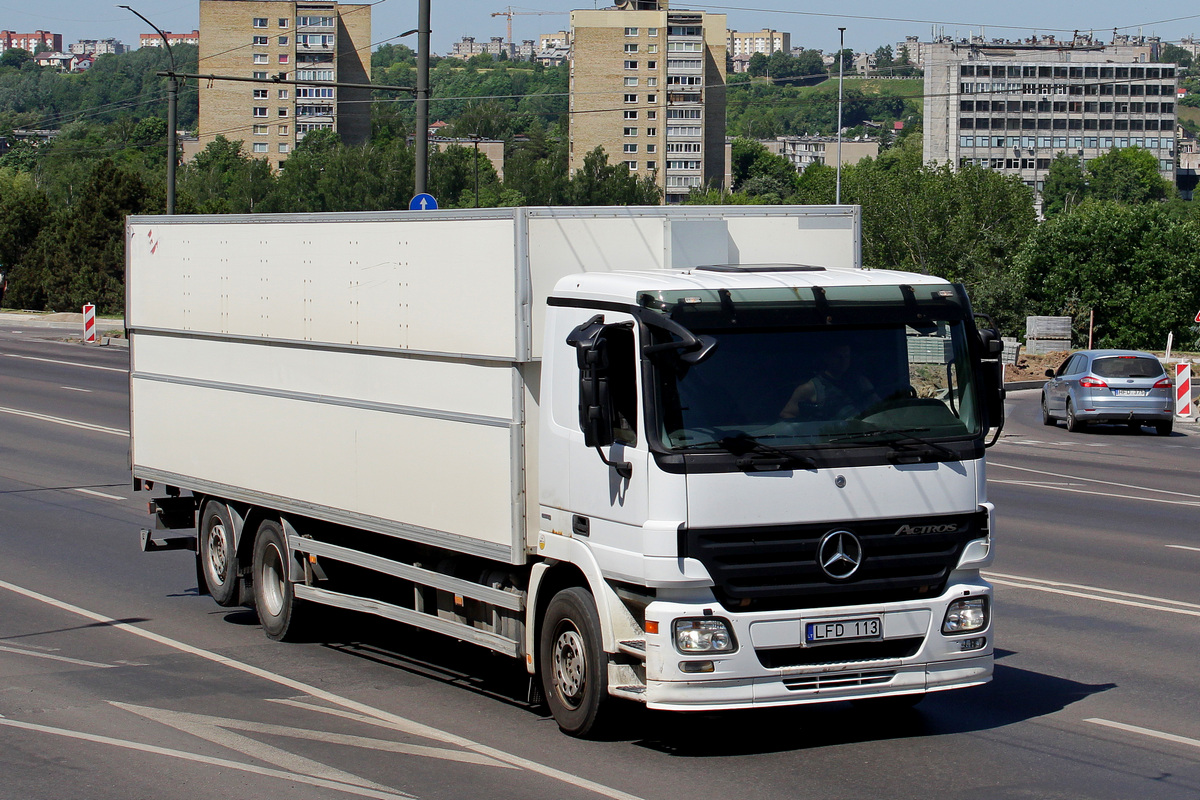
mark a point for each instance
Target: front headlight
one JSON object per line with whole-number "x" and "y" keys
{"x": 966, "y": 615}
{"x": 703, "y": 635}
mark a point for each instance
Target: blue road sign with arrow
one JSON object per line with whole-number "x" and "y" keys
{"x": 422, "y": 202}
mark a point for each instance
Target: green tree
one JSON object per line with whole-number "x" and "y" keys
{"x": 1174, "y": 54}
{"x": 224, "y": 179}
{"x": 1128, "y": 175}
{"x": 1136, "y": 266}
{"x": 809, "y": 63}
{"x": 1066, "y": 184}
{"x": 757, "y": 66}
{"x": 883, "y": 57}
{"x": 15, "y": 57}
{"x": 598, "y": 183}
{"x": 758, "y": 171}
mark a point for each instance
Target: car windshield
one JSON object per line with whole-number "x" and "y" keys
{"x": 840, "y": 367}
{"x": 1127, "y": 367}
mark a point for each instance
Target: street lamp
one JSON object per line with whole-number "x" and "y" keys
{"x": 172, "y": 99}
{"x": 837, "y": 199}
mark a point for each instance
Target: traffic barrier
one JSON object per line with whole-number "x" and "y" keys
{"x": 1183, "y": 390}
{"x": 89, "y": 324}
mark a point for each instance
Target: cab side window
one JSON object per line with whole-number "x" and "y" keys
{"x": 622, "y": 382}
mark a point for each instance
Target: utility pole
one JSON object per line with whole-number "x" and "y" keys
{"x": 841, "y": 72}
{"x": 421, "y": 161}
{"x": 172, "y": 101}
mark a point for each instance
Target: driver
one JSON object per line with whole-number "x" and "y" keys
{"x": 836, "y": 392}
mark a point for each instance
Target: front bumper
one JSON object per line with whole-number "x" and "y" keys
{"x": 914, "y": 656}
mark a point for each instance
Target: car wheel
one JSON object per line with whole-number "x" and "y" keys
{"x": 218, "y": 556}
{"x": 284, "y": 617}
{"x": 1046, "y": 418}
{"x": 1164, "y": 428}
{"x": 1074, "y": 424}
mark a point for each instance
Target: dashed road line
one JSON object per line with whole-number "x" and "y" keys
{"x": 1096, "y": 593}
{"x": 1153, "y": 734}
{"x": 67, "y": 363}
{"x": 94, "y": 493}
{"x": 51, "y": 657}
{"x": 87, "y": 426}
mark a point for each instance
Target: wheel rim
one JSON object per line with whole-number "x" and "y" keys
{"x": 272, "y": 580}
{"x": 570, "y": 666}
{"x": 218, "y": 552}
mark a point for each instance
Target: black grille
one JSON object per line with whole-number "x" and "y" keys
{"x": 775, "y": 567}
{"x": 840, "y": 653}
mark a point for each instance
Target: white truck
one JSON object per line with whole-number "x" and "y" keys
{"x": 695, "y": 457}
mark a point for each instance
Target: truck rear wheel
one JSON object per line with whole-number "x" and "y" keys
{"x": 218, "y": 555}
{"x": 574, "y": 666}
{"x": 279, "y": 611}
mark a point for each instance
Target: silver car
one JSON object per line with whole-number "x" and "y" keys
{"x": 1116, "y": 386}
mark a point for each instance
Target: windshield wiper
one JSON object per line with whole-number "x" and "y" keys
{"x": 747, "y": 447}
{"x": 902, "y": 435}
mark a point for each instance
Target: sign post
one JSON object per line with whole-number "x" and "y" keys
{"x": 89, "y": 324}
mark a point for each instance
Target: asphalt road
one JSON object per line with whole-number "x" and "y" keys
{"x": 117, "y": 680}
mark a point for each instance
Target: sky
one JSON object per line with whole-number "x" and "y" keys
{"x": 869, "y": 23}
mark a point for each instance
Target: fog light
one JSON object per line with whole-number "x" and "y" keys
{"x": 704, "y": 635}
{"x": 695, "y": 666}
{"x": 972, "y": 644}
{"x": 966, "y": 615}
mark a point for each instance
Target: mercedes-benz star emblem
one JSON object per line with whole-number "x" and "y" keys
{"x": 839, "y": 554}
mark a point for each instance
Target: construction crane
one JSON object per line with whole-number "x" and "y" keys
{"x": 511, "y": 12}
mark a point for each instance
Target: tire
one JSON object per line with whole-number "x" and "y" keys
{"x": 1046, "y": 418}
{"x": 282, "y": 615}
{"x": 1164, "y": 428}
{"x": 1074, "y": 424}
{"x": 574, "y": 666}
{"x": 218, "y": 554}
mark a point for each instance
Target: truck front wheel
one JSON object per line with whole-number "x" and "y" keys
{"x": 574, "y": 666}
{"x": 218, "y": 556}
{"x": 279, "y": 612}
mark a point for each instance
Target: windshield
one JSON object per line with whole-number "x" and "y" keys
{"x": 840, "y": 367}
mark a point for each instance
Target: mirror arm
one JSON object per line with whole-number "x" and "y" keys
{"x": 623, "y": 468}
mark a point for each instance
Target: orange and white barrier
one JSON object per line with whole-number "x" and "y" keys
{"x": 1183, "y": 390}
{"x": 89, "y": 324}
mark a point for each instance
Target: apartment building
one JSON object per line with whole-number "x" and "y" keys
{"x": 1014, "y": 107}
{"x": 154, "y": 40}
{"x": 267, "y": 39}
{"x": 802, "y": 151}
{"x": 30, "y": 42}
{"x": 766, "y": 41}
{"x": 98, "y": 47}
{"x": 648, "y": 85}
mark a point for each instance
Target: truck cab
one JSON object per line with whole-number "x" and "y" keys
{"x": 777, "y": 470}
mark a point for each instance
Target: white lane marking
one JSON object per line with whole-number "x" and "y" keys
{"x": 1093, "y": 480}
{"x": 94, "y": 493}
{"x": 386, "y": 716}
{"x": 1184, "y": 547}
{"x": 1193, "y": 504}
{"x": 1098, "y": 594}
{"x": 78, "y": 661}
{"x": 1166, "y": 737}
{"x": 207, "y": 724}
{"x": 211, "y": 760}
{"x": 68, "y": 363}
{"x": 87, "y": 426}
{"x": 76, "y": 389}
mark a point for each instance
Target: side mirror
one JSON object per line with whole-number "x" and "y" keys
{"x": 1049, "y": 373}
{"x": 592, "y": 357}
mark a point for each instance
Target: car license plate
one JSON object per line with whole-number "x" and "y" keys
{"x": 1130, "y": 392}
{"x": 843, "y": 630}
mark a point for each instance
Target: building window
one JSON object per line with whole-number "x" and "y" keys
{"x": 631, "y": 31}
{"x": 652, "y": 32}
{"x": 260, "y": 40}
{"x": 651, "y": 98}
{"x": 651, "y": 165}
{"x": 284, "y": 22}
{"x": 652, "y": 131}
{"x": 260, "y": 22}
{"x": 260, "y": 94}
{"x": 630, "y": 148}
{"x": 261, "y": 76}
{"x": 261, "y": 130}
{"x": 283, "y": 40}
{"x": 283, "y": 94}
{"x": 630, "y": 65}
{"x": 260, "y": 111}
{"x": 631, "y": 81}
{"x": 260, "y": 58}
{"x": 283, "y": 147}
{"x": 652, "y": 81}
{"x": 260, "y": 147}
{"x": 651, "y": 114}
{"x": 283, "y": 58}
{"x": 631, "y": 115}
{"x": 651, "y": 148}
{"x": 283, "y": 112}
{"x": 631, "y": 48}
{"x": 630, "y": 131}
{"x": 283, "y": 130}
{"x": 631, "y": 98}
{"x": 632, "y": 165}
{"x": 651, "y": 48}
{"x": 651, "y": 65}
